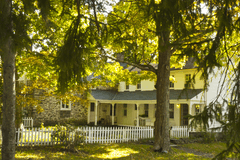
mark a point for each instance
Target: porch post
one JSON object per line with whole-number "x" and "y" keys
{"x": 113, "y": 113}
{"x": 190, "y": 108}
{"x": 95, "y": 112}
{"x": 137, "y": 115}
{"x": 190, "y": 111}
{"x": 89, "y": 110}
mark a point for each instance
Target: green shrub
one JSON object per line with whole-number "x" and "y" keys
{"x": 69, "y": 135}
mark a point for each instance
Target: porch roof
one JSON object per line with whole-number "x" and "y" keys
{"x": 143, "y": 95}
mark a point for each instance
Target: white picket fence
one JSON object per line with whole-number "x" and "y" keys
{"x": 179, "y": 132}
{"x": 116, "y": 134}
{"x": 43, "y": 136}
{"x": 37, "y": 136}
{"x": 27, "y": 122}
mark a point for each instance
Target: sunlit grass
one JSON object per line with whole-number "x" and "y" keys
{"x": 116, "y": 153}
{"x": 33, "y": 156}
{"x": 106, "y": 151}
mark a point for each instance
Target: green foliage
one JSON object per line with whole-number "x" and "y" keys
{"x": 229, "y": 120}
{"x": 71, "y": 136}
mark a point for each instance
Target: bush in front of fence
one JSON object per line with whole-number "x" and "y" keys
{"x": 70, "y": 135}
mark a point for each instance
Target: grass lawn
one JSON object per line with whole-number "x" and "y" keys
{"x": 101, "y": 151}
{"x": 214, "y": 148}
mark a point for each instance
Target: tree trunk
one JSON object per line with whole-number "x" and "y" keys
{"x": 161, "y": 133}
{"x": 8, "y": 57}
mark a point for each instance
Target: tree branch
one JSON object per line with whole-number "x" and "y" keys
{"x": 140, "y": 66}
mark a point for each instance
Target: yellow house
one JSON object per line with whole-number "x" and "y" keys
{"x": 134, "y": 105}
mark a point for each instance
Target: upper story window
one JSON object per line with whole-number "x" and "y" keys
{"x": 171, "y": 110}
{"x": 171, "y": 83}
{"x": 187, "y": 77}
{"x": 65, "y": 104}
{"x": 127, "y": 86}
{"x": 187, "y": 80}
{"x": 139, "y": 86}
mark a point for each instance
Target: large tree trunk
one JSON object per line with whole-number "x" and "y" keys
{"x": 161, "y": 133}
{"x": 8, "y": 57}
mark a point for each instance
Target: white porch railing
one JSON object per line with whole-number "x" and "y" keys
{"x": 27, "y": 122}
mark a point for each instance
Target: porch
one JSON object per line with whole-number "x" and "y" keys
{"x": 140, "y": 114}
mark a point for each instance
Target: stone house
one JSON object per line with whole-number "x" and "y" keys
{"x": 55, "y": 111}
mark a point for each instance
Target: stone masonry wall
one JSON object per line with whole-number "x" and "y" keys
{"x": 53, "y": 115}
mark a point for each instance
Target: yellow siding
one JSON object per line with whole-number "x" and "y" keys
{"x": 179, "y": 76}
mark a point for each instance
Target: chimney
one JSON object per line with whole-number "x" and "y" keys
{"x": 120, "y": 56}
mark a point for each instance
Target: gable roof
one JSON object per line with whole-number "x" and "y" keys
{"x": 143, "y": 95}
{"x": 188, "y": 65}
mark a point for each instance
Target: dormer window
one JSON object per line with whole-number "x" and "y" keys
{"x": 139, "y": 86}
{"x": 127, "y": 86}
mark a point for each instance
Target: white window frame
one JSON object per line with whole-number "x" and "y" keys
{"x": 65, "y": 109}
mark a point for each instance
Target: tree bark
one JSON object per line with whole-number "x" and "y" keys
{"x": 8, "y": 57}
{"x": 161, "y": 132}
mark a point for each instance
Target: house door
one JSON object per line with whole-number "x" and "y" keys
{"x": 184, "y": 113}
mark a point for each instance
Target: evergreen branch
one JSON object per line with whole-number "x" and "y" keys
{"x": 95, "y": 15}
{"x": 147, "y": 67}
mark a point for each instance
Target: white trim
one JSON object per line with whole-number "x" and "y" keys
{"x": 66, "y": 109}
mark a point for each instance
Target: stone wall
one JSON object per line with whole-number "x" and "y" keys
{"x": 53, "y": 115}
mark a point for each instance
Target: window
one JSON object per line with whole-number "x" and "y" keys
{"x": 139, "y": 86}
{"x": 171, "y": 83}
{"x": 187, "y": 80}
{"x": 125, "y": 109}
{"x": 171, "y": 110}
{"x": 187, "y": 77}
{"x": 197, "y": 109}
{"x": 127, "y": 86}
{"x": 146, "y": 109}
{"x": 114, "y": 110}
{"x": 65, "y": 105}
{"x": 92, "y": 107}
